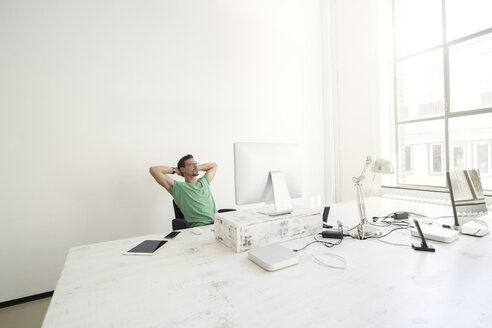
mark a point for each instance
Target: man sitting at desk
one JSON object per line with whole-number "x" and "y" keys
{"x": 193, "y": 196}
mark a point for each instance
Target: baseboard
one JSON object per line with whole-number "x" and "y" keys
{"x": 26, "y": 299}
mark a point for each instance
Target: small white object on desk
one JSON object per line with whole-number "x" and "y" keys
{"x": 474, "y": 229}
{"x": 197, "y": 230}
{"x": 273, "y": 257}
{"x": 436, "y": 233}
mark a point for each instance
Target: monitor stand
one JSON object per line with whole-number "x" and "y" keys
{"x": 281, "y": 197}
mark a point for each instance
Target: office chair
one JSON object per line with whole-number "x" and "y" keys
{"x": 180, "y": 223}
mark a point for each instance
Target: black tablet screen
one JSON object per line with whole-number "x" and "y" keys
{"x": 147, "y": 246}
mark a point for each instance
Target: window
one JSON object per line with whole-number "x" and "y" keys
{"x": 408, "y": 159}
{"x": 458, "y": 160}
{"x": 443, "y": 89}
{"x": 482, "y": 157}
{"x": 436, "y": 159}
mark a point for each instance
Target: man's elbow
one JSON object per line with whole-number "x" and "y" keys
{"x": 152, "y": 170}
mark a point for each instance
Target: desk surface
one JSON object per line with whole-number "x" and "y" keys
{"x": 195, "y": 281}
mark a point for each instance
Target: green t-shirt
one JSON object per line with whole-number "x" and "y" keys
{"x": 195, "y": 201}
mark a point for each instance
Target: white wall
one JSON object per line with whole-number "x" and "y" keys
{"x": 94, "y": 92}
{"x": 356, "y": 33}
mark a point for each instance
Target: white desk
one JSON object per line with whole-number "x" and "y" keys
{"x": 197, "y": 282}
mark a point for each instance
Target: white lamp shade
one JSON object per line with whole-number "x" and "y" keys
{"x": 382, "y": 166}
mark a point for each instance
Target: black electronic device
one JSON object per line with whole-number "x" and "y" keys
{"x": 400, "y": 215}
{"x": 147, "y": 247}
{"x": 326, "y": 211}
{"x": 423, "y": 246}
{"x": 335, "y": 234}
{"x": 171, "y": 235}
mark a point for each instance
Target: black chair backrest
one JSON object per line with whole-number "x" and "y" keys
{"x": 180, "y": 222}
{"x": 222, "y": 210}
{"x": 177, "y": 212}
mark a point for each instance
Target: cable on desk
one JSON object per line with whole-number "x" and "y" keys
{"x": 402, "y": 227}
{"x": 417, "y": 214}
{"x": 481, "y": 222}
{"x": 349, "y": 229}
{"x": 338, "y": 257}
{"x": 375, "y": 218}
{"x": 359, "y": 229}
{"x": 433, "y": 218}
{"x": 329, "y": 244}
{"x": 393, "y": 215}
{"x": 384, "y": 235}
{"x": 300, "y": 249}
{"x": 325, "y": 243}
{"x": 400, "y": 223}
{"x": 394, "y": 244}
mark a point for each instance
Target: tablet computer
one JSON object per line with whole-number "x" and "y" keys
{"x": 147, "y": 247}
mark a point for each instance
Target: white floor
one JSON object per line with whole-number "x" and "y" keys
{"x": 27, "y": 315}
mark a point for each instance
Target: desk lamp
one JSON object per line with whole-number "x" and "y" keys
{"x": 378, "y": 166}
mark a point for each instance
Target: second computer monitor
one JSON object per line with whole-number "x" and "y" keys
{"x": 253, "y": 163}
{"x": 467, "y": 195}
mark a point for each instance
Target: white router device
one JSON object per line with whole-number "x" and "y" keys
{"x": 273, "y": 257}
{"x": 436, "y": 233}
{"x": 474, "y": 229}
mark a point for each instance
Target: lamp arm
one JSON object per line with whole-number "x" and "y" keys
{"x": 360, "y": 198}
{"x": 360, "y": 203}
{"x": 363, "y": 173}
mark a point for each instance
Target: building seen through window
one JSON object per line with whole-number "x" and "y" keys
{"x": 443, "y": 89}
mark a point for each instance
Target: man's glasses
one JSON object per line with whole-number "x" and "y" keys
{"x": 192, "y": 164}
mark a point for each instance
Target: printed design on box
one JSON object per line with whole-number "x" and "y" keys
{"x": 243, "y": 230}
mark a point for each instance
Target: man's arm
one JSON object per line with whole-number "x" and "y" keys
{"x": 160, "y": 174}
{"x": 210, "y": 169}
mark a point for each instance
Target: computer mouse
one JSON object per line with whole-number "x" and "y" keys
{"x": 197, "y": 231}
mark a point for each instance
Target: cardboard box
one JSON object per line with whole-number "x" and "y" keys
{"x": 242, "y": 230}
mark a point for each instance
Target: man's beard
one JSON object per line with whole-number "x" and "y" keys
{"x": 195, "y": 174}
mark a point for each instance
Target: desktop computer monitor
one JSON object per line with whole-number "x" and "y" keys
{"x": 266, "y": 172}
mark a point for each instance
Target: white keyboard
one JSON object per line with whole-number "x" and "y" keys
{"x": 436, "y": 233}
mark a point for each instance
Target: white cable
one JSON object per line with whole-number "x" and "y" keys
{"x": 338, "y": 257}
{"x": 481, "y": 222}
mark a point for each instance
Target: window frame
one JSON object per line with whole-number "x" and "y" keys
{"x": 475, "y": 144}
{"x": 446, "y": 44}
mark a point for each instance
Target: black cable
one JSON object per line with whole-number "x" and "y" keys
{"x": 300, "y": 249}
{"x": 328, "y": 244}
